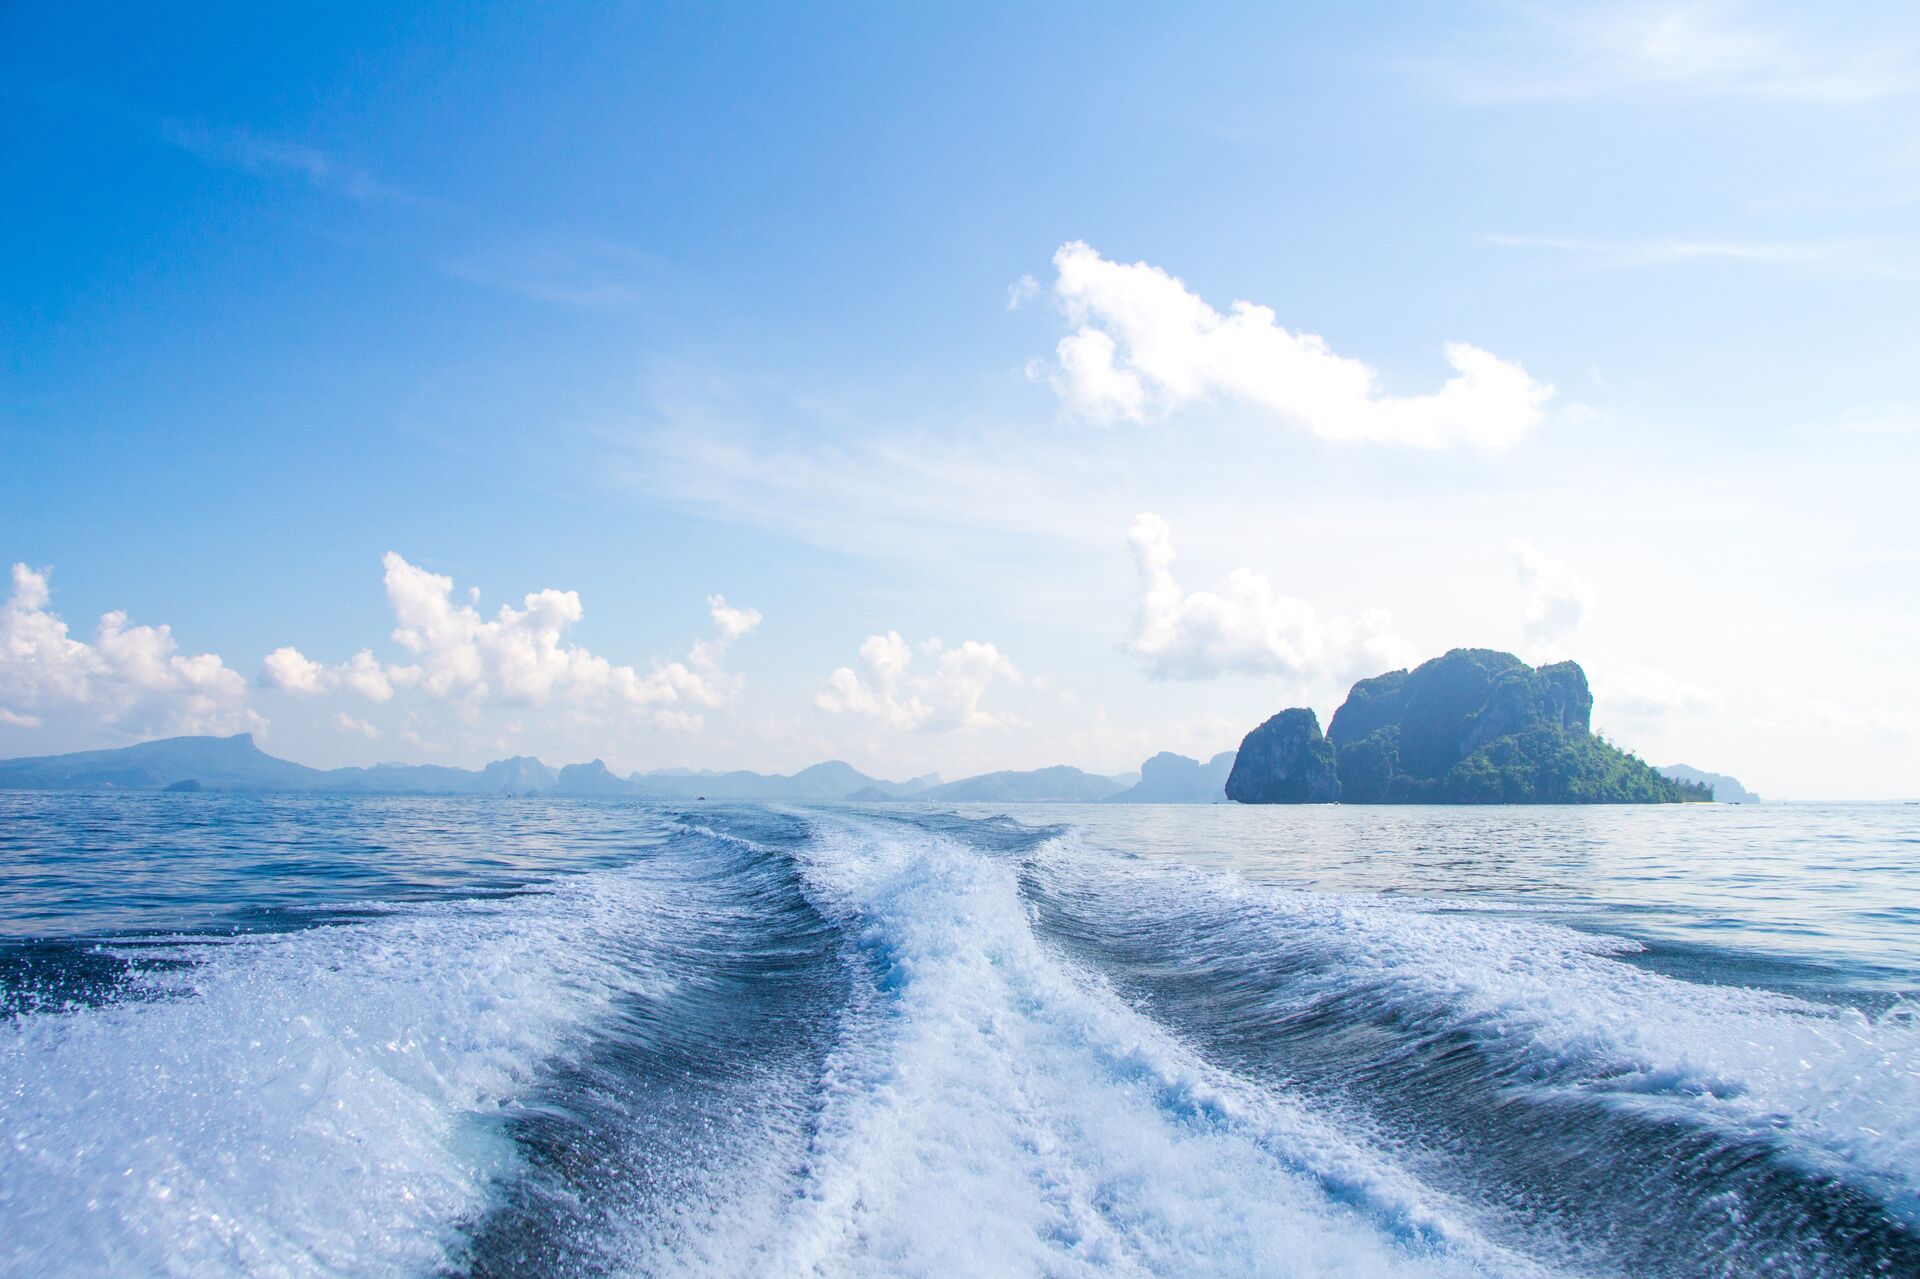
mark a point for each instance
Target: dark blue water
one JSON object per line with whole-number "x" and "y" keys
{"x": 292, "y": 1035}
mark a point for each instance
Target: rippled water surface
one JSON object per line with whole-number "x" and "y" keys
{"x": 306, "y": 1036}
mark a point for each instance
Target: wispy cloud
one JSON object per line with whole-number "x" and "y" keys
{"x": 1670, "y": 248}
{"x": 915, "y": 492}
{"x": 565, "y": 272}
{"x": 247, "y": 151}
{"x": 1883, "y": 258}
{"x": 1642, "y": 699}
{"x": 1881, "y": 723}
{"x": 1869, "y": 419}
{"x": 1557, "y": 600}
{"x": 1719, "y": 48}
{"x": 345, "y": 723}
{"x": 561, "y": 270}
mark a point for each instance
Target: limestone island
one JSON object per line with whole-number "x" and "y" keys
{"x": 1474, "y": 726}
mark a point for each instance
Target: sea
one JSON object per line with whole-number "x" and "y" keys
{"x": 311, "y": 1035}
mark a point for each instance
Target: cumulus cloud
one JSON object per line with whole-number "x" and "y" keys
{"x": 290, "y": 671}
{"x": 732, "y": 622}
{"x": 937, "y": 699}
{"x": 1557, "y": 600}
{"x": 1246, "y": 628}
{"x": 131, "y": 678}
{"x": 1143, "y": 345}
{"x": 519, "y": 656}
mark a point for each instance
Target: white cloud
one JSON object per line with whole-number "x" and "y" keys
{"x": 1673, "y": 249}
{"x": 892, "y": 693}
{"x": 1724, "y": 49}
{"x": 1247, "y": 628}
{"x": 240, "y": 149}
{"x": 363, "y": 674}
{"x": 519, "y": 656}
{"x": 731, "y": 622}
{"x": 17, "y": 720}
{"x": 910, "y": 494}
{"x": 1557, "y": 600}
{"x": 677, "y": 721}
{"x": 1881, "y": 723}
{"x": 1642, "y": 697}
{"x": 567, "y": 272}
{"x": 1891, "y": 259}
{"x": 131, "y": 677}
{"x": 291, "y": 671}
{"x": 345, "y": 723}
{"x": 1627, "y": 695}
{"x": 1872, "y": 419}
{"x": 1145, "y": 345}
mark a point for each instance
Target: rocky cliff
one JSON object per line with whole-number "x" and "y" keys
{"x": 1474, "y": 726}
{"x": 1285, "y": 761}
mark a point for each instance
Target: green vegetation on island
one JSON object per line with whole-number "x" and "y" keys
{"x": 1474, "y": 726}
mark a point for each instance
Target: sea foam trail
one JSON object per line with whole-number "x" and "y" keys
{"x": 1783, "y": 1127}
{"x": 681, "y": 1127}
{"x": 998, "y": 1112}
{"x": 312, "y": 1102}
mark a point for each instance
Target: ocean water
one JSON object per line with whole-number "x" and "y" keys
{"x": 374, "y": 1036}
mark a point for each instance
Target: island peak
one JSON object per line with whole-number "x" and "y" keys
{"x": 1472, "y": 726}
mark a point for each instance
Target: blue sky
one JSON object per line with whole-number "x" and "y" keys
{"x": 784, "y": 307}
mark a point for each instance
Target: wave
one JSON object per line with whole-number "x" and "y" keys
{"x": 678, "y": 1132}
{"x": 1001, "y": 1112}
{"x": 1633, "y": 1120}
{"x": 835, "y": 1043}
{"x": 347, "y": 1099}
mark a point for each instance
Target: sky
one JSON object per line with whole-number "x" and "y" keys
{"x": 950, "y": 388}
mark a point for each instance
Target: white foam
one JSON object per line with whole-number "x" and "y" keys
{"x": 303, "y": 1104}
{"x": 1004, "y": 1114}
{"x": 318, "y": 1102}
{"x": 1841, "y": 1088}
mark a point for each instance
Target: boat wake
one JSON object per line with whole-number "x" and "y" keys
{"x": 851, "y": 1044}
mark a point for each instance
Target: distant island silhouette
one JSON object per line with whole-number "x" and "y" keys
{"x": 1474, "y": 726}
{"x": 1726, "y": 790}
{"x": 180, "y": 764}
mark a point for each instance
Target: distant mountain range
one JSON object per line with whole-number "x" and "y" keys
{"x": 1059, "y": 784}
{"x": 237, "y": 764}
{"x": 216, "y": 763}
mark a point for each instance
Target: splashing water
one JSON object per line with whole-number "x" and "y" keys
{"x": 285, "y": 1036}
